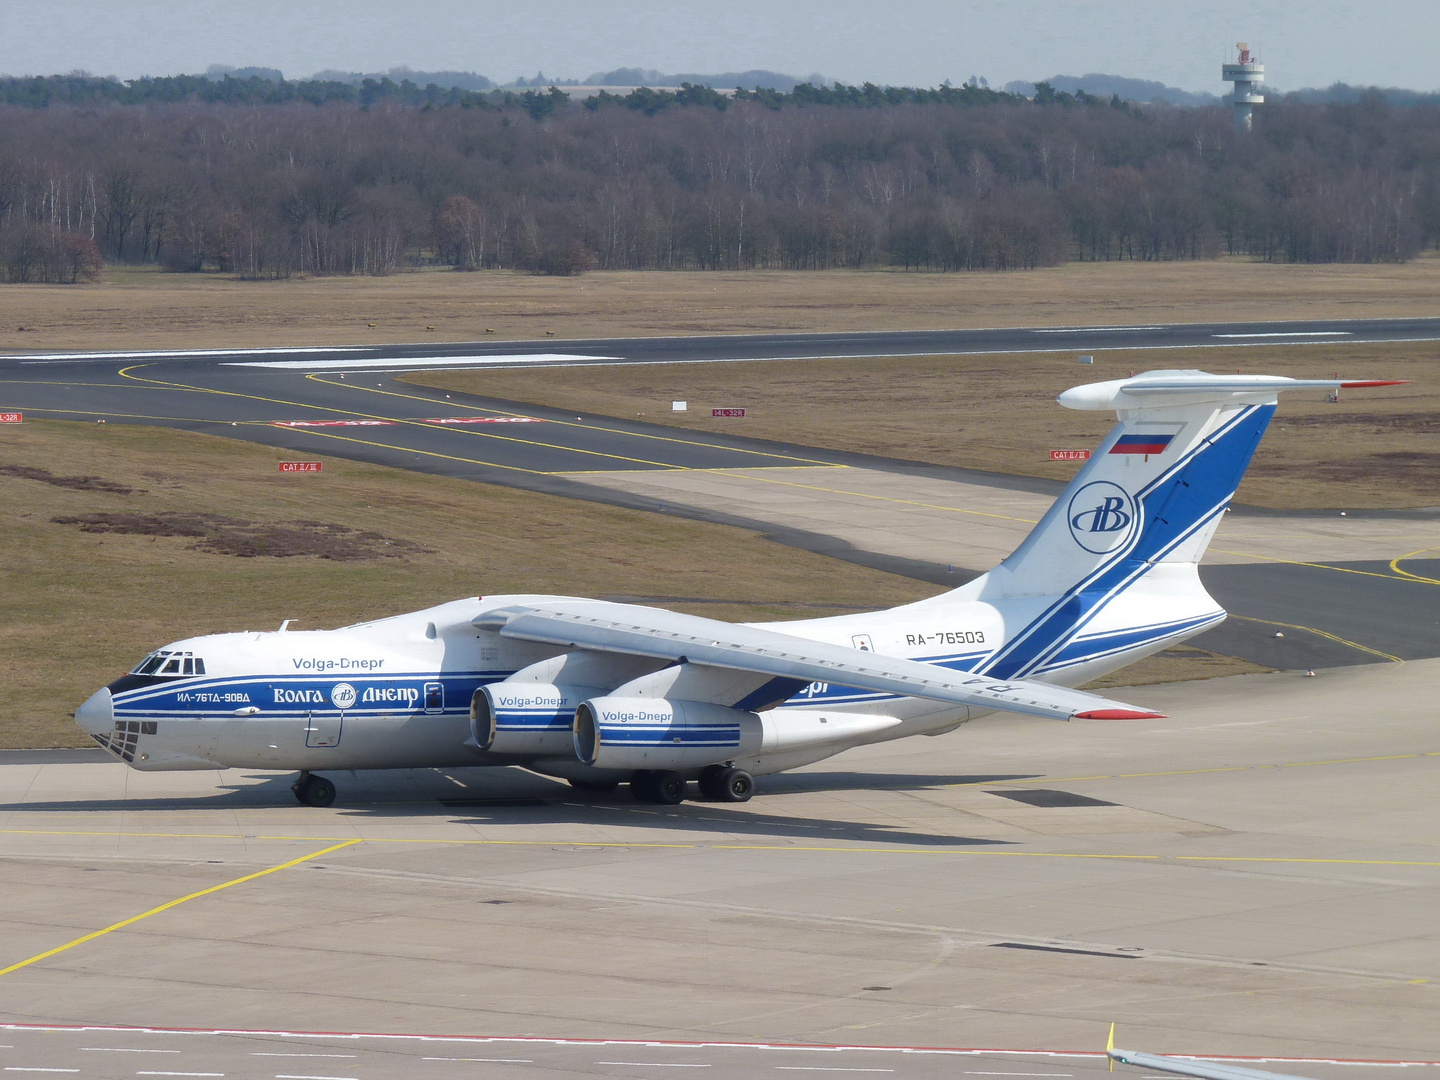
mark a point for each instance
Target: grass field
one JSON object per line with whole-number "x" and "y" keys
{"x": 142, "y": 308}
{"x": 1376, "y": 448}
{"x": 78, "y": 608}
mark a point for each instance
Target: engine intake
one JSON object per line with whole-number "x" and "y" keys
{"x": 525, "y": 717}
{"x": 654, "y": 733}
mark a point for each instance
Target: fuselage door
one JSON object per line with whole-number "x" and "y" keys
{"x": 434, "y": 697}
{"x": 323, "y": 731}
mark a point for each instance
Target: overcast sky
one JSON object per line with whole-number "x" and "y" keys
{"x": 919, "y": 42}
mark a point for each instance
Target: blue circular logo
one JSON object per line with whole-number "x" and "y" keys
{"x": 1102, "y": 516}
{"x": 342, "y": 695}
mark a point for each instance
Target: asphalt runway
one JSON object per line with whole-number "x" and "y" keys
{"x": 349, "y": 404}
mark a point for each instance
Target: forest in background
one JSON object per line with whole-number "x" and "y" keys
{"x": 956, "y": 178}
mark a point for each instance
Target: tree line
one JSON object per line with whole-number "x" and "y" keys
{"x": 954, "y": 178}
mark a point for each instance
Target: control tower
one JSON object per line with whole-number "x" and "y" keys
{"x": 1249, "y": 78}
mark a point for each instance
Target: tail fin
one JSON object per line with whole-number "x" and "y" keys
{"x": 1144, "y": 507}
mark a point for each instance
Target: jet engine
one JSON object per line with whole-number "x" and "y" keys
{"x": 654, "y": 733}
{"x": 525, "y": 717}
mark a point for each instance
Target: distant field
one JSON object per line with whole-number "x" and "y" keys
{"x": 1376, "y": 448}
{"x": 146, "y": 308}
{"x": 78, "y": 608}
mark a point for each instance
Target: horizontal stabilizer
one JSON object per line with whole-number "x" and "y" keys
{"x": 1169, "y": 388}
{"x": 634, "y": 630}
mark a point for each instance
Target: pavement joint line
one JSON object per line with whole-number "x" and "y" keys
{"x": 565, "y": 423}
{"x": 1324, "y": 634}
{"x": 171, "y": 904}
{"x": 832, "y": 848}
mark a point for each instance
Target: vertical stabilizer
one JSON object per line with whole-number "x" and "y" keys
{"x": 1143, "y": 509}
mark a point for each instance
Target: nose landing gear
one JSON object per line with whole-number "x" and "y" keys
{"x": 313, "y": 790}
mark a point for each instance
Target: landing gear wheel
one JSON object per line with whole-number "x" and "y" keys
{"x": 669, "y": 788}
{"x": 712, "y": 782}
{"x": 595, "y": 787}
{"x": 663, "y": 787}
{"x": 736, "y": 785}
{"x": 314, "y": 790}
{"x": 642, "y": 786}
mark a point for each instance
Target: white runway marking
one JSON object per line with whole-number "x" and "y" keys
{"x": 264, "y": 1053}
{"x": 128, "y": 1050}
{"x": 826, "y": 1068}
{"x": 1291, "y": 333}
{"x": 361, "y": 363}
{"x": 177, "y": 1074}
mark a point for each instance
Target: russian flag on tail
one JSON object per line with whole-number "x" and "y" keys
{"x": 1141, "y": 444}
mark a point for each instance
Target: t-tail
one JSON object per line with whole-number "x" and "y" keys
{"x": 1110, "y": 573}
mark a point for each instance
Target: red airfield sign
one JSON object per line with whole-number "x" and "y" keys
{"x": 1069, "y": 455}
{"x": 300, "y": 466}
{"x": 11, "y": 417}
{"x": 727, "y": 412}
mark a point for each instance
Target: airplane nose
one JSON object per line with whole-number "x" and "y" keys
{"x": 97, "y": 715}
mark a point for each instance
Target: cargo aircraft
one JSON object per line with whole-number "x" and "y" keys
{"x": 602, "y": 693}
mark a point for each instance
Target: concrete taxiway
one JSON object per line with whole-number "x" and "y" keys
{"x": 1257, "y": 875}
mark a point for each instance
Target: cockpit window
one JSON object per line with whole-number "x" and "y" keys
{"x": 165, "y": 662}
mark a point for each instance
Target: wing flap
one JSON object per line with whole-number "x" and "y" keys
{"x": 643, "y": 631}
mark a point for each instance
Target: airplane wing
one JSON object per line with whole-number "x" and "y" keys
{"x": 1204, "y": 1070}
{"x": 636, "y": 630}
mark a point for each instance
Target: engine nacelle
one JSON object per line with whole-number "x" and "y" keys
{"x": 525, "y": 717}
{"x": 653, "y": 733}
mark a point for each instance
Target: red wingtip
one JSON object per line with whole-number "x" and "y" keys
{"x": 1361, "y": 384}
{"x": 1120, "y": 714}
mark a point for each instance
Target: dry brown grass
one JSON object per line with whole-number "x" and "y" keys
{"x": 1376, "y": 448}
{"x": 78, "y": 608}
{"x": 146, "y": 308}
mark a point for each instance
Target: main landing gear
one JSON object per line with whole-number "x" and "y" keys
{"x": 719, "y": 783}
{"x": 313, "y": 790}
{"x": 725, "y": 783}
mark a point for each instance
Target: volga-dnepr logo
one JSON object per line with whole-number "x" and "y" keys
{"x": 342, "y": 695}
{"x": 1103, "y": 517}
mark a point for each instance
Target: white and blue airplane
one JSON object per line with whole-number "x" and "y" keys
{"x": 602, "y": 693}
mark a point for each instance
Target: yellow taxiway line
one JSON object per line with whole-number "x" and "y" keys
{"x": 173, "y": 903}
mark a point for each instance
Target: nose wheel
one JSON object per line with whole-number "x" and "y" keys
{"x": 313, "y": 790}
